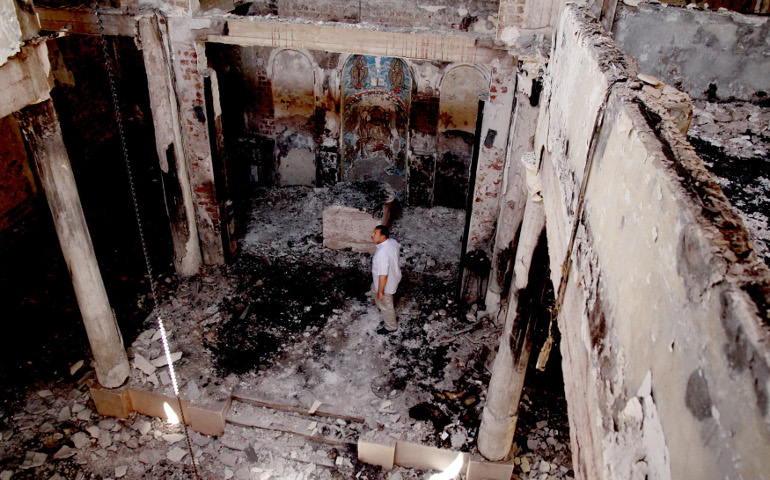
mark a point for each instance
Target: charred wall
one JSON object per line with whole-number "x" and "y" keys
{"x": 664, "y": 321}
{"x": 18, "y": 190}
{"x": 298, "y": 117}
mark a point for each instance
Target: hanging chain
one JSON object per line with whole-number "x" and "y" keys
{"x": 143, "y": 240}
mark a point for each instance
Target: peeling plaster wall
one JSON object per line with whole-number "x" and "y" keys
{"x": 664, "y": 322}
{"x": 294, "y": 105}
{"x": 461, "y": 88}
{"x": 693, "y": 49}
{"x": 477, "y": 16}
{"x": 10, "y": 31}
{"x": 268, "y": 111}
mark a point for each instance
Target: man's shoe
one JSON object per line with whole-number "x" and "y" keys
{"x": 382, "y": 330}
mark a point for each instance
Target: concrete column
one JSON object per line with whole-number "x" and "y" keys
{"x": 168, "y": 141}
{"x": 498, "y": 421}
{"x": 531, "y": 228}
{"x": 40, "y": 126}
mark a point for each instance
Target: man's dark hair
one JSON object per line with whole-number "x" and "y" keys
{"x": 384, "y": 230}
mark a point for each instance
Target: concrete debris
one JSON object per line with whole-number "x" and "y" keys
{"x": 80, "y": 440}
{"x": 64, "y": 452}
{"x": 75, "y": 367}
{"x": 176, "y": 454}
{"x": 121, "y": 471}
{"x": 314, "y": 407}
{"x": 162, "y": 361}
{"x": 33, "y": 459}
{"x": 173, "y": 438}
{"x": 144, "y": 365}
{"x": 193, "y": 392}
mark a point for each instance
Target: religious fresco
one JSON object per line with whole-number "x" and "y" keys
{"x": 376, "y": 96}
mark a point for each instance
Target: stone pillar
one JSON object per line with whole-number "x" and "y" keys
{"x": 498, "y": 421}
{"x": 168, "y": 141}
{"x": 40, "y": 126}
{"x": 188, "y": 60}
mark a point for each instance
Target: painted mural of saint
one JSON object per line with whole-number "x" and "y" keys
{"x": 359, "y": 72}
{"x": 396, "y": 75}
{"x": 374, "y": 133}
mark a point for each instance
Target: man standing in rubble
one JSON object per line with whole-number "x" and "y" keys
{"x": 385, "y": 277}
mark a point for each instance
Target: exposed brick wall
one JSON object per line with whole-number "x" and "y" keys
{"x": 17, "y": 184}
{"x": 197, "y": 148}
{"x": 511, "y": 13}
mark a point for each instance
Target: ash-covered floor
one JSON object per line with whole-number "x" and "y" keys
{"x": 289, "y": 322}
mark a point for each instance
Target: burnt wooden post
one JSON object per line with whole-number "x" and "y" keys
{"x": 41, "y": 130}
{"x": 168, "y": 141}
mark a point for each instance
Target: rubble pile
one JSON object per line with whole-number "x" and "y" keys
{"x": 290, "y": 322}
{"x": 733, "y": 140}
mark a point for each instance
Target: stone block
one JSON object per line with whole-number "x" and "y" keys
{"x": 412, "y": 455}
{"x": 478, "y": 470}
{"x": 158, "y": 405}
{"x": 347, "y": 227}
{"x": 377, "y": 454}
{"x": 112, "y": 403}
{"x": 209, "y": 417}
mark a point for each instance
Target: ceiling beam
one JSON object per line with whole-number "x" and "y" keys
{"x": 84, "y": 22}
{"x": 446, "y": 48}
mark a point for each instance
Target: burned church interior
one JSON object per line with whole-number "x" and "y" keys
{"x": 191, "y": 193}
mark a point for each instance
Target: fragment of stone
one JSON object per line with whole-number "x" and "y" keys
{"x": 144, "y": 365}
{"x": 150, "y": 456}
{"x": 64, "y": 414}
{"x": 64, "y": 452}
{"x": 143, "y": 427}
{"x": 33, "y": 459}
{"x": 200, "y": 440}
{"x": 105, "y": 439}
{"x": 84, "y": 415}
{"x": 193, "y": 392}
{"x": 35, "y": 407}
{"x": 121, "y": 471}
{"x": 176, "y": 454}
{"x": 6, "y": 475}
{"x": 162, "y": 361}
{"x": 94, "y": 431}
{"x": 75, "y": 367}
{"x": 228, "y": 459}
{"x": 153, "y": 379}
{"x": 80, "y": 440}
{"x": 45, "y": 393}
{"x": 173, "y": 438}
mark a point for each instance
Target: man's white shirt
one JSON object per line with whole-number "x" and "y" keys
{"x": 385, "y": 262}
